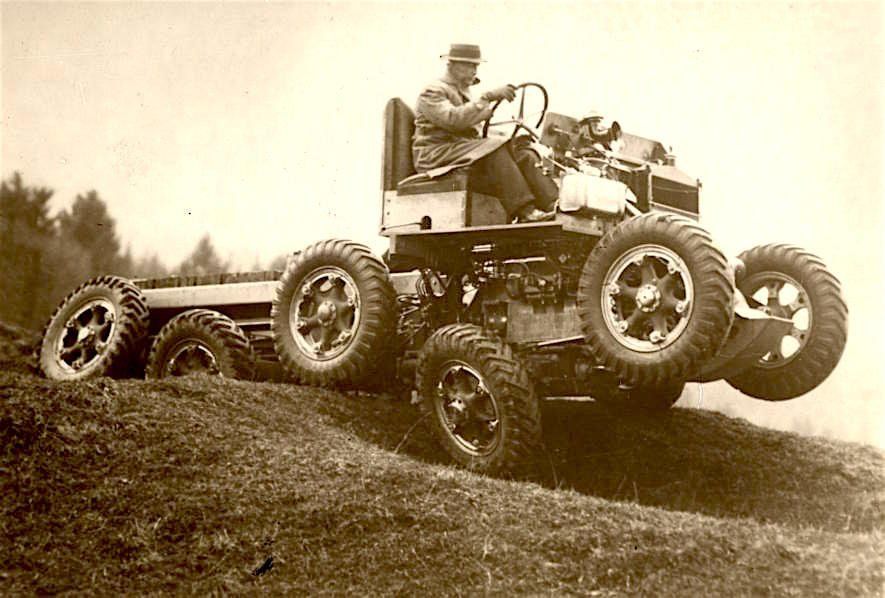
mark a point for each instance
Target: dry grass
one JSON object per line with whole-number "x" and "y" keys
{"x": 191, "y": 485}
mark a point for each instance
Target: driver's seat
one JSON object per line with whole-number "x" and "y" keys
{"x": 399, "y": 173}
{"x": 414, "y": 201}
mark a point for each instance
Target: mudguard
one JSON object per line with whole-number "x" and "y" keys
{"x": 752, "y": 335}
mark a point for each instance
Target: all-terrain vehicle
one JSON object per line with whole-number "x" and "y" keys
{"x": 623, "y": 297}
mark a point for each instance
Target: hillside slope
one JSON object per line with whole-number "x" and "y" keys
{"x": 192, "y": 485}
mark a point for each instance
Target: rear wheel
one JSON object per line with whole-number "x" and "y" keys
{"x": 334, "y": 315}
{"x": 480, "y": 401}
{"x": 95, "y": 331}
{"x": 655, "y": 300}
{"x": 791, "y": 283}
{"x": 201, "y": 341}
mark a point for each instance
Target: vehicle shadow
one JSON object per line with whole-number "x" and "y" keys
{"x": 684, "y": 460}
{"x": 705, "y": 462}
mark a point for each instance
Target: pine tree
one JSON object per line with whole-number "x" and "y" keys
{"x": 203, "y": 260}
{"x": 89, "y": 225}
{"x": 26, "y": 230}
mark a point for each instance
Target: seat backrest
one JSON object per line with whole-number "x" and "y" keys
{"x": 399, "y": 126}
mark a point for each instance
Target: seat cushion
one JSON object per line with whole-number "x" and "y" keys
{"x": 421, "y": 183}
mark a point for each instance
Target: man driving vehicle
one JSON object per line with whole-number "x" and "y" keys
{"x": 447, "y": 137}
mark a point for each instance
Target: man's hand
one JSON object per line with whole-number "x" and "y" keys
{"x": 507, "y": 92}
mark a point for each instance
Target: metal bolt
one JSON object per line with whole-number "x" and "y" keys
{"x": 110, "y": 316}
{"x": 350, "y": 302}
{"x": 672, "y": 268}
{"x": 637, "y": 261}
{"x": 70, "y": 324}
{"x": 680, "y": 306}
{"x": 613, "y": 288}
{"x": 306, "y": 290}
{"x": 656, "y": 336}
{"x": 100, "y": 347}
{"x": 302, "y": 324}
{"x": 623, "y": 326}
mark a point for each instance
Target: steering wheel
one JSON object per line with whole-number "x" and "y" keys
{"x": 519, "y": 121}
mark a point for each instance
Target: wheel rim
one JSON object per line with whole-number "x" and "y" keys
{"x": 467, "y": 409}
{"x": 780, "y": 295}
{"x": 647, "y": 298}
{"x": 86, "y": 335}
{"x": 325, "y": 313}
{"x": 190, "y": 357}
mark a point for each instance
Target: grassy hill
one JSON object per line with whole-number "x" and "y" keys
{"x": 193, "y": 485}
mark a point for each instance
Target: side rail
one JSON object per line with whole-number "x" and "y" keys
{"x": 245, "y": 297}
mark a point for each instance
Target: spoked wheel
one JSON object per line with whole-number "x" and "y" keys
{"x": 86, "y": 335}
{"x": 333, "y": 316}
{"x": 328, "y": 312}
{"x": 527, "y": 119}
{"x": 466, "y": 408}
{"x": 649, "y": 292}
{"x": 201, "y": 341}
{"x": 95, "y": 331}
{"x": 483, "y": 409}
{"x": 788, "y": 282}
{"x": 655, "y": 300}
{"x": 783, "y": 296}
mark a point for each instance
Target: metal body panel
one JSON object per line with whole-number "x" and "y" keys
{"x": 749, "y": 341}
{"x": 405, "y": 283}
{"x": 753, "y": 334}
{"x": 659, "y": 207}
{"x": 211, "y": 295}
{"x": 539, "y": 323}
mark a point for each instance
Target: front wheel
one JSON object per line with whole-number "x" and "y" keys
{"x": 791, "y": 283}
{"x": 480, "y": 400}
{"x": 655, "y": 300}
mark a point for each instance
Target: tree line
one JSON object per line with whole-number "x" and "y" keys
{"x": 45, "y": 256}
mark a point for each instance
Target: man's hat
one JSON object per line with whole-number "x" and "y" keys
{"x": 463, "y": 53}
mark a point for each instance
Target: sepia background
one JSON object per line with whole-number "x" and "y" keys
{"x": 260, "y": 124}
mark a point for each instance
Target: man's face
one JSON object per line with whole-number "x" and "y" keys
{"x": 596, "y": 125}
{"x": 463, "y": 72}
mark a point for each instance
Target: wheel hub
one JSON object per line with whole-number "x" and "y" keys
{"x": 648, "y": 297}
{"x": 326, "y": 313}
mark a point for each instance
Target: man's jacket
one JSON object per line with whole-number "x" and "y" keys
{"x": 447, "y": 132}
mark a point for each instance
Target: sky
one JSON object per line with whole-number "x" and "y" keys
{"x": 260, "y": 124}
